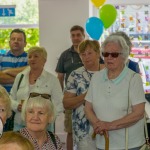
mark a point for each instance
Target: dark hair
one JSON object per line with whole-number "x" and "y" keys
{"x": 77, "y": 27}
{"x": 19, "y": 31}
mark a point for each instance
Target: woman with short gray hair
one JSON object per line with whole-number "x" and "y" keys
{"x": 112, "y": 92}
{"x": 120, "y": 41}
{"x": 38, "y": 112}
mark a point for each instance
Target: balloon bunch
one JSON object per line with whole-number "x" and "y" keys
{"x": 107, "y": 16}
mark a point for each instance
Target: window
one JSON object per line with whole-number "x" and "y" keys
{"x": 27, "y": 18}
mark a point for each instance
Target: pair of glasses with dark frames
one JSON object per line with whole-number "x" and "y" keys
{"x": 46, "y": 96}
{"x": 113, "y": 54}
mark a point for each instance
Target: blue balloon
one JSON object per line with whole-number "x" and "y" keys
{"x": 94, "y": 27}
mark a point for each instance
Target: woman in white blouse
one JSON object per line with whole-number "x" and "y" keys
{"x": 35, "y": 79}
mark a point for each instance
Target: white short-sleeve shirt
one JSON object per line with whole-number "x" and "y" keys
{"x": 110, "y": 102}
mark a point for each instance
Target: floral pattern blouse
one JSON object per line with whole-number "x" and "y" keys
{"x": 78, "y": 82}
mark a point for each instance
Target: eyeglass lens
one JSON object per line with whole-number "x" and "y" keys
{"x": 114, "y": 54}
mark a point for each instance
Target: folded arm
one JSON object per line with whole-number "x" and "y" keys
{"x": 124, "y": 122}
{"x": 60, "y": 77}
{"x": 5, "y": 78}
{"x": 71, "y": 101}
{"x": 13, "y": 71}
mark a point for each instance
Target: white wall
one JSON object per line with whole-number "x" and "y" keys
{"x": 56, "y": 17}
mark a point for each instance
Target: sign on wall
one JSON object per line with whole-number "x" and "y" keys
{"x": 7, "y": 10}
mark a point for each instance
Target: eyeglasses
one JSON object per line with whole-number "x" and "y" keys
{"x": 113, "y": 54}
{"x": 46, "y": 96}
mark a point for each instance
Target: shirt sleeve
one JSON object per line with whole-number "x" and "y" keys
{"x": 60, "y": 64}
{"x": 136, "y": 90}
{"x": 57, "y": 96}
{"x": 71, "y": 83}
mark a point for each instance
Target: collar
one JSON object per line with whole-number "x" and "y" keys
{"x": 71, "y": 49}
{"x": 119, "y": 78}
{"x": 12, "y": 55}
{"x": 27, "y": 70}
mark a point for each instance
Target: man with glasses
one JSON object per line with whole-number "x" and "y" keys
{"x": 13, "y": 62}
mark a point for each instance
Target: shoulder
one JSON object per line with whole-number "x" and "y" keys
{"x": 24, "y": 54}
{"x": 7, "y": 54}
{"x": 79, "y": 70}
{"x": 47, "y": 73}
{"x": 55, "y": 139}
{"x": 132, "y": 74}
{"x": 49, "y": 76}
{"x": 66, "y": 52}
{"x": 132, "y": 63}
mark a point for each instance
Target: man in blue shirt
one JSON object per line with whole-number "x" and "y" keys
{"x": 13, "y": 62}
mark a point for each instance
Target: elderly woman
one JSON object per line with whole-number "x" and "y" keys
{"x": 5, "y": 107}
{"x": 14, "y": 141}
{"x": 112, "y": 91}
{"x": 76, "y": 88}
{"x": 35, "y": 79}
{"x": 38, "y": 112}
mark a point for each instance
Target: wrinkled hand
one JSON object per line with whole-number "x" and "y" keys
{"x": 101, "y": 126}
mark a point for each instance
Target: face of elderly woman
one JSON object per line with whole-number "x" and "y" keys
{"x": 3, "y": 112}
{"x": 111, "y": 62}
{"x": 37, "y": 118}
{"x": 36, "y": 60}
{"x": 89, "y": 57}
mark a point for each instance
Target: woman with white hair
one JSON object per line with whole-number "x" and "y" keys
{"x": 112, "y": 92}
{"x": 37, "y": 112}
{"x": 35, "y": 79}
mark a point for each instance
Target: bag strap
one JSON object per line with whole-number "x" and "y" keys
{"x": 22, "y": 75}
{"x": 53, "y": 138}
{"x": 126, "y": 129}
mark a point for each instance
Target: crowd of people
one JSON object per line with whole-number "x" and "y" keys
{"x": 98, "y": 96}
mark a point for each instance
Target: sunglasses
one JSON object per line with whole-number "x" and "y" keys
{"x": 46, "y": 96}
{"x": 114, "y": 54}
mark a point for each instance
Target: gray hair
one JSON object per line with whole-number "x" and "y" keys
{"x": 40, "y": 50}
{"x": 40, "y": 102}
{"x": 120, "y": 41}
{"x": 5, "y": 100}
{"x": 126, "y": 38}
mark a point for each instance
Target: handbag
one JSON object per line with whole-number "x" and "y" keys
{"x": 146, "y": 146}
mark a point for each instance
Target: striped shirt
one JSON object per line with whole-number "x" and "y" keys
{"x": 9, "y": 60}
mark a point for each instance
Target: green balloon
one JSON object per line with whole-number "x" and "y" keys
{"x": 108, "y": 15}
